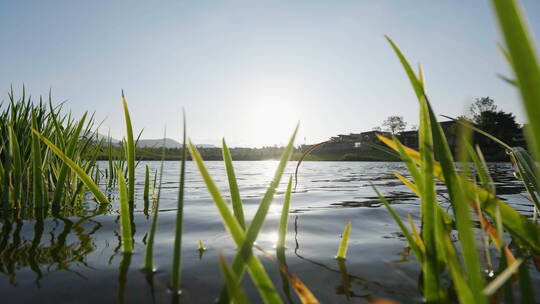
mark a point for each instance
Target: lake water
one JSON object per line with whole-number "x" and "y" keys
{"x": 76, "y": 259}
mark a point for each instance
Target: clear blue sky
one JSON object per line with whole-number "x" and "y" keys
{"x": 249, "y": 70}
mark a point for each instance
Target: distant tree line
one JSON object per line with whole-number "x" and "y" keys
{"x": 484, "y": 115}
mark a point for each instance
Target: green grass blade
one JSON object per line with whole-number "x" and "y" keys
{"x": 232, "y": 282}
{"x": 149, "y": 252}
{"x": 87, "y": 180}
{"x": 60, "y": 184}
{"x": 146, "y": 183}
{"x": 283, "y": 222}
{"x": 258, "y": 220}
{"x": 464, "y": 292}
{"x": 130, "y": 151}
{"x": 432, "y": 289}
{"x": 125, "y": 214}
{"x": 37, "y": 176}
{"x": 258, "y": 274}
{"x": 517, "y": 224}
{"x": 233, "y": 186}
{"x": 526, "y": 168}
{"x": 177, "y": 252}
{"x": 432, "y": 139}
{"x": 342, "y": 250}
{"x": 524, "y": 62}
{"x": 17, "y": 174}
{"x": 412, "y": 243}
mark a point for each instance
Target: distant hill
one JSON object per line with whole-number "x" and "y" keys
{"x": 152, "y": 143}
{"x": 158, "y": 143}
{"x": 169, "y": 143}
{"x": 100, "y": 136}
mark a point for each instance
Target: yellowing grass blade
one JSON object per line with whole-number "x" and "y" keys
{"x": 494, "y": 285}
{"x": 342, "y": 251}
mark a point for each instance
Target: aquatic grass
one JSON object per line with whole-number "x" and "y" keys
{"x": 81, "y": 173}
{"x": 245, "y": 241}
{"x": 344, "y": 244}
{"x": 232, "y": 282}
{"x": 517, "y": 224}
{"x": 177, "y": 251}
{"x": 32, "y": 175}
{"x": 201, "y": 246}
{"x": 464, "y": 195}
{"x": 418, "y": 249}
{"x": 302, "y": 291}
{"x": 62, "y": 176}
{"x": 284, "y": 218}
{"x": 37, "y": 177}
{"x": 125, "y": 214}
{"x": 236, "y": 201}
{"x": 256, "y": 224}
{"x": 427, "y": 134}
{"x": 524, "y": 62}
{"x": 146, "y": 184}
{"x": 258, "y": 274}
{"x": 130, "y": 151}
{"x": 16, "y": 176}
{"x": 149, "y": 252}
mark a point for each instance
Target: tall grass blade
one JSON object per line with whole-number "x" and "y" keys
{"x": 432, "y": 141}
{"x": 125, "y": 214}
{"x": 257, "y": 272}
{"x": 177, "y": 252}
{"x": 130, "y": 151}
{"x": 255, "y": 227}
{"x": 37, "y": 177}
{"x": 146, "y": 183}
{"x": 149, "y": 252}
{"x": 284, "y": 220}
{"x": 233, "y": 186}
{"x": 412, "y": 243}
{"x": 232, "y": 282}
{"x": 16, "y": 176}
{"x": 524, "y": 62}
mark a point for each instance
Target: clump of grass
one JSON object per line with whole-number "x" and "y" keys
{"x": 29, "y": 175}
{"x": 245, "y": 239}
{"x": 433, "y": 247}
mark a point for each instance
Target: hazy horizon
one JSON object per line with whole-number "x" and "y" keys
{"x": 250, "y": 71}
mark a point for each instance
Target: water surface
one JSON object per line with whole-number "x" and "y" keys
{"x": 77, "y": 258}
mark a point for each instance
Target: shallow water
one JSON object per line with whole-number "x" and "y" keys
{"x": 76, "y": 259}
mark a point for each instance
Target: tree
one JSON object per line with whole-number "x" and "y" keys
{"x": 481, "y": 105}
{"x": 378, "y": 129}
{"x": 500, "y": 124}
{"x": 394, "y": 124}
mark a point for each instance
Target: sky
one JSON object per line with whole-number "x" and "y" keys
{"x": 250, "y": 70}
